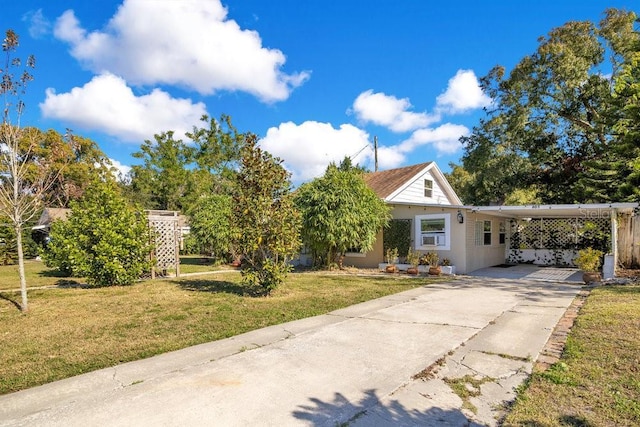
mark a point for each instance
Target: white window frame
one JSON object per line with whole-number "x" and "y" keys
{"x": 481, "y": 232}
{"x": 502, "y": 234}
{"x": 428, "y": 188}
{"x": 443, "y": 240}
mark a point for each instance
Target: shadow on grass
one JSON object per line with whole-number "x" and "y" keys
{"x": 196, "y": 261}
{"x": 342, "y": 412}
{"x": 218, "y": 286}
{"x": 11, "y": 300}
{"x": 72, "y": 284}
{"x": 52, "y": 273}
{"x": 572, "y": 420}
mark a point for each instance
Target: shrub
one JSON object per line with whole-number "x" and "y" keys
{"x": 104, "y": 239}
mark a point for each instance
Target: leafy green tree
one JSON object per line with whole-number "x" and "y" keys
{"x": 340, "y": 212}
{"x": 266, "y": 223}
{"x": 217, "y": 150}
{"x": 550, "y": 124}
{"x": 174, "y": 174}
{"x": 104, "y": 239}
{"x": 210, "y": 223}
{"x": 627, "y": 127}
{"x": 161, "y": 182}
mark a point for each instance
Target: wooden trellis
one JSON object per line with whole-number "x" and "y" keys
{"x": 165, "y": 235}
{"x": 558, "y": 233}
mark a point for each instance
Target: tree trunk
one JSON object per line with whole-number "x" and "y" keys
{"x": 23, "y": 279}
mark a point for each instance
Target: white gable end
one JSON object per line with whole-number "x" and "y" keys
{"x": 414, "y": 191}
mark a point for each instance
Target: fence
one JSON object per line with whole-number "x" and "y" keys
{"x": 628, "y": 241}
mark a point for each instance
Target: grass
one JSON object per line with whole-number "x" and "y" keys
{"x": 597, "y": 380}
{"x": 71, "y": 330}
{"x": 466, "y": 388}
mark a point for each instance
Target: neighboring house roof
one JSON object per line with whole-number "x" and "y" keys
{"x": 49, "y": 215}
{"x": 404, "y": 185}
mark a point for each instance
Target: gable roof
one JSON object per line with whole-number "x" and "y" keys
{"x": 390, "y": 183}
{"x": 51, "y": 214}
{"x": 385, "y": 183}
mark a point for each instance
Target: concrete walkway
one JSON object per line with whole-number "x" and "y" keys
{"x": 386, "y": 362}
{"x": 531, "y": 272}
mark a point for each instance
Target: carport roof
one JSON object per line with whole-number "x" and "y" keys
{"x": 576, "y": 210}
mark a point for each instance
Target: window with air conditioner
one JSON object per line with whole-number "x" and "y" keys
{"x": 433, "y": 232}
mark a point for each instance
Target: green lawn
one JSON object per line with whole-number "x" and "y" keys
{"x": 74, "y": 329}
{"x": 597, "y": 381}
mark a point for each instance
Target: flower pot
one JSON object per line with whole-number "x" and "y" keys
{"x": 591, "y": 276}
{"x": 412, "y": 270}
{"x": 390, "y": 268}
{"x": 435, "y": 271}
{"x": 448, "y": 270}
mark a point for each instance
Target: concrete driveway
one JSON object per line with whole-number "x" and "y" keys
{"x": 381, "y": 363}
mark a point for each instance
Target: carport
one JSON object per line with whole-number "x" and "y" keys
{"x": 551, "y": 235}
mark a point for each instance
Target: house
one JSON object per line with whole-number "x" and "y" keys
{"x": 428, "y": 216}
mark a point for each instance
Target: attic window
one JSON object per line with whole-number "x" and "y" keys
{"x": 428, "y": 188}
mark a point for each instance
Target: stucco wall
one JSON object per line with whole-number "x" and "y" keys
{"x": 456, "y": 253}
{"x": 480, "y": 256}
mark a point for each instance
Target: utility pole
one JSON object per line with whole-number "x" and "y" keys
{"x": 375, "y": 153}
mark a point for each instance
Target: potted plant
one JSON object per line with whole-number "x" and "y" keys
{"x": 446, "y": 267}
{"x": 413, "y": 258}
{"x": 589, "y": 260}
{"x": 432, "y": 259}
{"x": 392, "y": 259}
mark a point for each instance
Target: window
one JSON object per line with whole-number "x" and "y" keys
{"x": 355, "y": 253}
{"x": 428, "y": 188}
{"x": 503, "y": 232}
{"x": 483, "y": 233}
{"x": 432, "y": 231}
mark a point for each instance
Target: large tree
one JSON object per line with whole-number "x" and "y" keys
{"x": 210, "y": 223}
{"x": 175, "y": 174}
{"x": 266, "y": 223}
{"x": 340, "y": 212}
{"x": 23, "y": 184}
{"x": 161, "y": 182}
{"x": 549, "y": 132}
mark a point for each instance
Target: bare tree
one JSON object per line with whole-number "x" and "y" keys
{"x": 24, "y": 176}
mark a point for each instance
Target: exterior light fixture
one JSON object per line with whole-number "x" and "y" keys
{"x": 460, "y": 217}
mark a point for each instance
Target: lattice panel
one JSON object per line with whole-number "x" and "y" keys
{"x": 165, "y": 236}
{"x": 560, "y": 233}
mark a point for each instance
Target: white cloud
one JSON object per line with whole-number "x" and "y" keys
{"x": 389, "y": 111}
{"x": 390, "y": 157}
{"x": 122, "y": 169}
{"x": 39, "y": 25}
{"x": 444, "y": 138}
{"x": 463, "y": 93}
{"x": 108, "y": 105}
{"x": 308, "y": 148}
{"x": 189, "y": 43}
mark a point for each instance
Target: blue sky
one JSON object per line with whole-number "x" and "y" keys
{"x": 315, "y": 80}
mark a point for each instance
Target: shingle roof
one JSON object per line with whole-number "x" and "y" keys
{"x": 384, "y": 183}
{"x": 51, "y": 214}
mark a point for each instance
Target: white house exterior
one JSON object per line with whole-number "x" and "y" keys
{"x": 471, "y": 237}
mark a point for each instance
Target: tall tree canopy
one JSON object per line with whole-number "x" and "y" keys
{"x": 549, "y": 134}
{"x": 162, "y": 180}
{"x": 174, "y": 174}
{"x": 266, "y": 224}
{"x": 340, "y": 212}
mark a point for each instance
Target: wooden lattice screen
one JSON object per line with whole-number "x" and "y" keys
{"x": 561, "y": 233}
{"x": 165, "y": 235}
